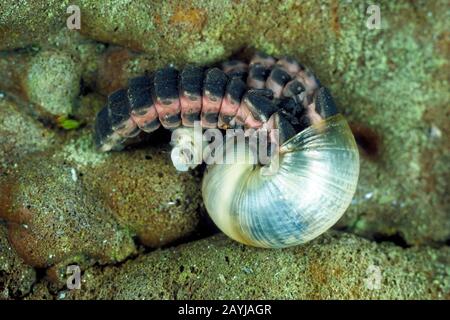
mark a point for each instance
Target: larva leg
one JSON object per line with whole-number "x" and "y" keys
{"x": 191, "y": 85}
{"x": 166, "y": 97}
{"x": 213, "y": 92}
{"x": 143, "y": 110}
{"x": 120, "y": 114}
{"x": 263, "y": 92}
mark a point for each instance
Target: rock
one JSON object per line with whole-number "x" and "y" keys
{"x": 394, "y": 89}
{"x": 40, "y": 291}
{"x": 29, "y": 22}
{"x": 66, "y": 184}
{"x": 16, "y": 277}
{"x": 335, "y": 266}
{"x": 90, "y": 104}
{"x": 391, "y": 83}
{"x": 53, "y": 81}
{"x": 117, "y": 65}
{"x": 13, "y": 70}
{"x": 20, "y": 134}
{"x": 53, "y": 219}
{"x": 141, "y": 186}
{"x": 48, "y": 79}
{"x": 52, "y": 78}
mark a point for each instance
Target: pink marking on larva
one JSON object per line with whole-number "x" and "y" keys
{"x": 238, "y": 66}
{"x": 244, "y": 117}
{"x": 292, "y": 67}
{"x": 255, "y": 84}
{"x": 144, "y": 120}
{"x": 167, "y": 109}
{"x": 229, "y": 108}
{"x": 266, "y": 61}
{"x": 210, "y": 105}
{"x": 276, "y": 88}
{"x": 251, "y": 122}
{"x": 241, "y": 114}
{"x": 189, "y": 105}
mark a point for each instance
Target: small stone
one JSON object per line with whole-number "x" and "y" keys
{"x": 20, "y": 134}
{"x": 16, "y": 277}
{"x": 53, "y": 81}
{"x": 66, "y": 222}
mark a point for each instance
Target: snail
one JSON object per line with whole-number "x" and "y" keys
{"x": 311, "y": 170}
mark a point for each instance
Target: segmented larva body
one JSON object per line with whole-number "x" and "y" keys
{"x": 266, "y": 92}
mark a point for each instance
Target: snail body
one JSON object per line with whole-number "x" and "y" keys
{"x": 313, "y": 166}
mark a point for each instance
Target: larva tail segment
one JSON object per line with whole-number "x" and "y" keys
{"x": 105, "y": 138}
{"x": 119, "y": 114}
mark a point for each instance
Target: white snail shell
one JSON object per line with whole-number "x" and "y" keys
{"x": 310, "y": 179}
{"x": 317, "y": 177}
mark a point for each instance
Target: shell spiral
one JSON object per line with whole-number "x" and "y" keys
{"x": 312, "y": 188}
